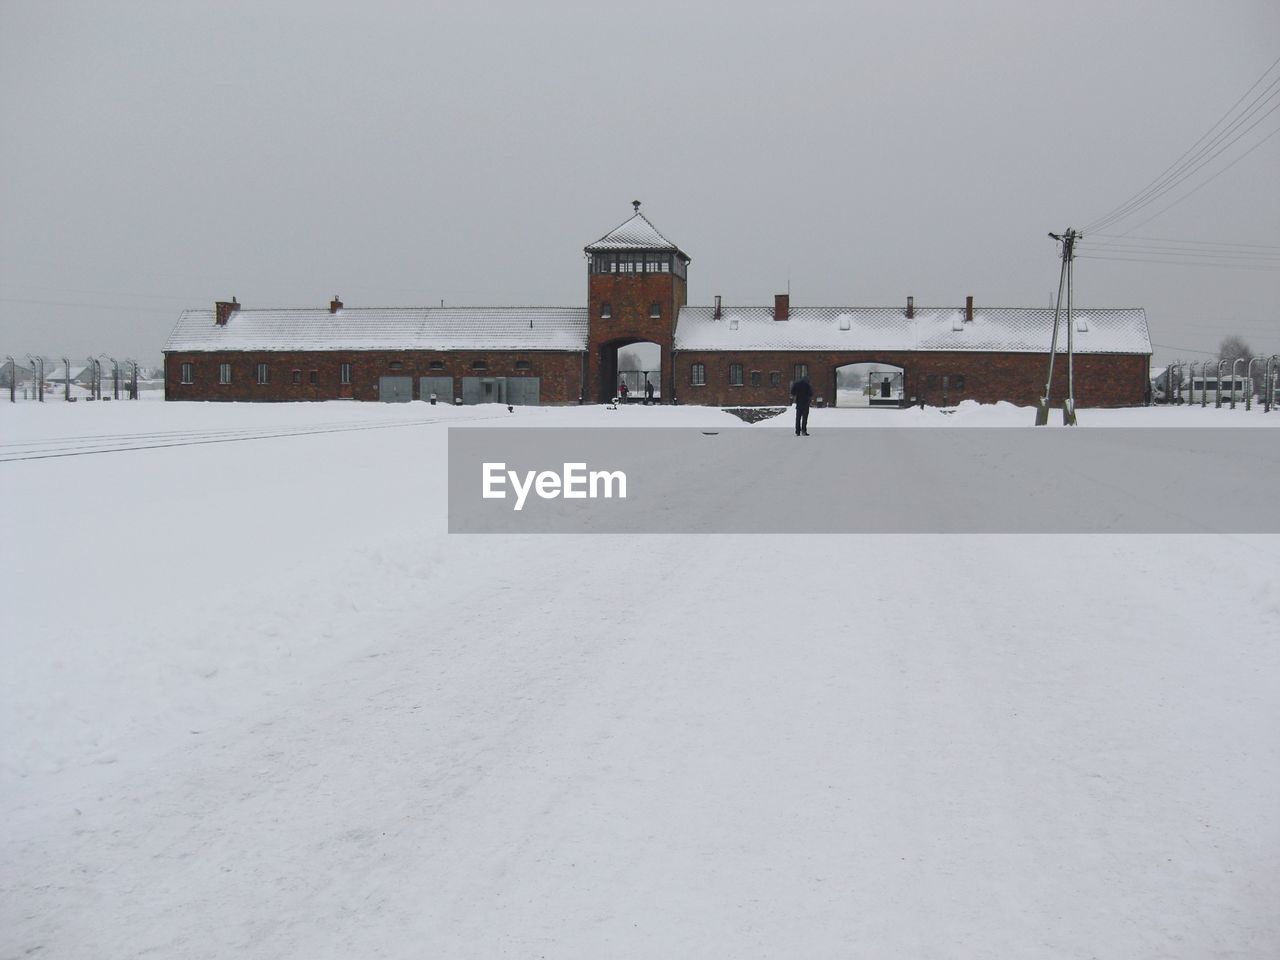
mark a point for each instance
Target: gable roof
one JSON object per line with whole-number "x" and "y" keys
{"x": 636, "y": 233}
{"x": 385, "y": 328}
{"x": 993, "y": 329}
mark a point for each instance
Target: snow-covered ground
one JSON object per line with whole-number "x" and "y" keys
{"x": 298, "y": 719}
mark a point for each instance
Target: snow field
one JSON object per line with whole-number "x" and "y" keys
{"x": 297, "y": 719}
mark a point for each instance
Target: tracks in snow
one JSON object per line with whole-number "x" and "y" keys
{"x": 13, "y": 451}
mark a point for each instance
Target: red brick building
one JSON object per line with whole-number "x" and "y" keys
{"x": 637, "y": 284}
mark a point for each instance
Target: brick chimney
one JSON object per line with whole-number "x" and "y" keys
{"x": 716, "y": 315}
{"x": 968, "y": 309}
{"x": 911, "y": 308}
{"x": 781, "y": 306}
{"x": 335, "y": 304}
{"x": 222, "y": 311}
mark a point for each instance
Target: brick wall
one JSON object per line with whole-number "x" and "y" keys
{"x": 561, "y": 373}
{"x": 1101, "y": 380}
{"x": 629, "y": 296}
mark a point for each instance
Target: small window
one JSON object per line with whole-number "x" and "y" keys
{"x": 264, "y": 373}
{"x": 314, "y": 377}
{"x": 344, "y": 374}
{"x": 755, "y": 378}
{"x": 775, "y": 379}
{"x": 958, "y": 382}
{"x": 188, "y": 373}
{"x": 479, "y": 365}
{"x": 802, "y": 371}
{"x": 931, "y": 381}
{"x": 436, "y": 365}
{"x": 397, "y": 365}
{"x": 523, "y": 365}
{"x": 735, "y": 374}
{"x": 698, "y": 374}
{"x": 224, "y": 373}
{"x": 297, "y": 376}
{"x": 606, "y": 311}
{"x": 655, "y": 311}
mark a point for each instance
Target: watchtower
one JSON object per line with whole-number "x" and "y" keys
{"x": 636, "y": 285}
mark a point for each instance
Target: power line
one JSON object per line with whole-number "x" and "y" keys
{"x": 1190, "y": 253}
{"x": 1128, "y": 237}
{"x": 1198, "y": 154}
{"x": 1182, "y": 263}
{"x": 1205, "y": 183}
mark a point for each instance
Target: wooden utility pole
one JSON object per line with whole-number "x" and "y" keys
{"x": 1065, "y": 283}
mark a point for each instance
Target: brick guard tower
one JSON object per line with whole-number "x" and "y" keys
{"x": 636, "y": 285}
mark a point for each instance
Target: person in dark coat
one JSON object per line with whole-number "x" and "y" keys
{"x": 802, "y": 392}
{"x": 884, "y": 387}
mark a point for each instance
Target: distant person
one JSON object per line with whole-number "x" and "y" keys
{"x": 884, "y": 387}
{"x": 802, "y": 392}
{"x": 648, "y": 390}
{"x": 622, "y": 392}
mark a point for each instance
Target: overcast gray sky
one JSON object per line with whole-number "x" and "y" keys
{"x": 161, "y": 155}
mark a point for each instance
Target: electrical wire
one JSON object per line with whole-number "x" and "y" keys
{"x": 1201, "y": 152}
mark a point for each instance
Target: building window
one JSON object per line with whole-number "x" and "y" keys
{"x": 698, "y": 374}
{"x": 224, "y": 373}
{"x": 479, "y": 365}
{"x": 264, "y": 373}
{"x": 655, "y": 311}
{"x": 436, "y": 365}
{"x": 802, "y": 371}
{"x": 188, "y": 373}
{"x": 958, "y": 382}
{"x": 344, "y": 374}
{"x": 735, "y": 374}
{"x": 755, "y": 378}
{"x": 314, "y": 377}
{"x": 397, "y": 365}
{"x": 297, "y": 376}
{"x": 606, "y": 311}
{"x": 931, "y": 381}
{"x": 775, "y": 379}
{"x": 523, "y": 365}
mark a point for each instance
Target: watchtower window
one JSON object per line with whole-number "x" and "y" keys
{"x": 606, "y": 311}
{"x": 655, "y": 310}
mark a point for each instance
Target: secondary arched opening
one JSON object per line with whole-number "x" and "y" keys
{"x": 870, "y": 385}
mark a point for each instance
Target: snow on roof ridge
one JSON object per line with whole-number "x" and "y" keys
{"x": 630, "y": 234}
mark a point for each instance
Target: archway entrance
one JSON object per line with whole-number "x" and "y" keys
{"x": 870, "y": 385}
{"x": 635, "y": 364}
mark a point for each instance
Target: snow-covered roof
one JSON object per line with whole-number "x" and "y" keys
{"x": 637, "y": 233}
{"x": 1003, "y": 329}
{"x": 385, "y": 328}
